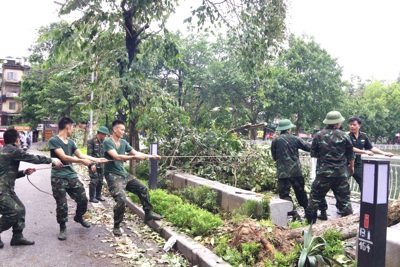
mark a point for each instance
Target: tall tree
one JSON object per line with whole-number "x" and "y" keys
{"x": 310, "y": 80}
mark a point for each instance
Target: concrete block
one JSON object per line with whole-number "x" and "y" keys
{"x": 279, "y": 209}
{"x": 392, "y": 248}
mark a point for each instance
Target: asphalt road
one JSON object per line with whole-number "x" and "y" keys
{"x": 94, "y": 246}
{"x": 41, "y": 226}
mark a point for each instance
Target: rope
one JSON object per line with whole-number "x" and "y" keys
{"x": 27, "y": 177}
{"x": 43, "y": 168}
{"x": 208, "y": 156}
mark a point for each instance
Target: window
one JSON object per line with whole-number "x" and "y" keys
{"x": 11, "y": 105}
{"x": 12, "y": 76}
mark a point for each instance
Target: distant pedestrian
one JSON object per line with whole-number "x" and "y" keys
{"x": 11, "y": 207}
{"x": 118, "y": 150}
{"x": 335, "y": 162}
{"x": 96, "y": 170}
{"x": 65, "y": 180}
{"x": 285, "y": 151}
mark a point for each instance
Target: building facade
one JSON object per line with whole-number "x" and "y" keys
{"x": 12, "y": 73}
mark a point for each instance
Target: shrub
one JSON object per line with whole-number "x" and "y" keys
{"x": 202, "y": 196}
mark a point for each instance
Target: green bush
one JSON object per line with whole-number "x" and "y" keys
{"x": 253, "y": 209}
{"x": 188, "y": 216}
{"x": 202, "y": 196}
{"x": 250, "y": 252}
{"x": 334, "y": 240}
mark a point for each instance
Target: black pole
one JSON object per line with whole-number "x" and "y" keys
{"x": 153, "y": 167}
{"x": 373, "y": 214}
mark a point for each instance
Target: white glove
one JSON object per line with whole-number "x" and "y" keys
{"x": 56, "y": 162}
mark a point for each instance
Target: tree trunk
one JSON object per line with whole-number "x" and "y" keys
{"x": 348, "y": 226}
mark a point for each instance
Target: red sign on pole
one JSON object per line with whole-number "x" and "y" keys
{"x": 366, "y": 221}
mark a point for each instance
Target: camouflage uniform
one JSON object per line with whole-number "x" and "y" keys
{"x": 119, "y": 180}
{"x": 333, "y": 150}
{"x": 361, "y": 143}
{"x": 95, "y": 149}
{"x": 11, "y": 207}
{"x": 65, "y": 180}
{"x": 284, "y": 149}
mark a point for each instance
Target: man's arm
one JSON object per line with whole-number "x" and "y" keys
{"x": 141, "y": 156}
{"x": 362, "y": 151}
{"x": 378, "y": 151}
{"x": 82, "y": 156}
{"x": 65, "y": 158}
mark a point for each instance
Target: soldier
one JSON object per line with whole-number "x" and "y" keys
{"x": 66, "y": 180}
{"x": 335, "y": 160}
{"x": 361, "y": 145}
{"x": 11, "y": 207}
{"x": 118, "y": 179}
{"x": 96, "y": 171}
{"x": 285, "y": 151}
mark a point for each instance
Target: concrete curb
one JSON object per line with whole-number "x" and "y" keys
{"x": 196, "y": 253}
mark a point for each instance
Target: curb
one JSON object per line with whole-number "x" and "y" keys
{"x": 196, "y": 253}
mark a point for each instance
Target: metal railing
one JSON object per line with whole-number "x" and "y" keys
{"x": 394, "y": 179}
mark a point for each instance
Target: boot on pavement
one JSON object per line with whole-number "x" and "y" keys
{"x": 92, "y": 191}
{"x": 323, "y": 216}
{"x": 1, "y": 243}
{"x": 98, "y": 192}
{"x": 82, "y": 221}
{"x": 19, "y": 240}
{"x": 295, "y": 215}
{"x": 149, "y": 215}
{"x": 62, "y": 235}
{"x": 117, "y": 230}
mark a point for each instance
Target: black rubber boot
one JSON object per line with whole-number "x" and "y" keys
{"x": 82, "y": 221}
{"x": 62, "y": 235}
{"x": 117, "y": 230}
{"x": 323, "y": 216}
{"x": 98, "y": 192}
{"x": 92, "y": 191}
{"x": 19, "y": 240}
{"x": 295, "y": 215}
{"x": 149, "y": 215}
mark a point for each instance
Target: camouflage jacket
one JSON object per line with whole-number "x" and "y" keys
{"x": 95, "y": 149}
{"x": 10, "y": 157}
{"x": 285, "y": 151}
{"x": 333, "y": 150}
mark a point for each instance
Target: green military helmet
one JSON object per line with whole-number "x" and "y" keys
{"x": 103, "y": 130}
{"x": 285, "y": 125}
{"x": 333, "y": 117}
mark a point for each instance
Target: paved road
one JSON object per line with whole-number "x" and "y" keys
{"x": 94, "y": 246}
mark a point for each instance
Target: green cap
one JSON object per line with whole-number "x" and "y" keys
{"x": 103, "y": 130}
{"x": 333, "y": 117}
{"x": 284, "y": 125}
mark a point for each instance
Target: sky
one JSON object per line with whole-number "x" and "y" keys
{"x": 361, "y": 34}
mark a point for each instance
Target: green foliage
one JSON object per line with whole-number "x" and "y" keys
{"x": 250, "y": 208}
{"x": 296, "y": 224}
{"x": 222, "y": 157}
{"x": 187, "y": 216}
{"x": 311, "y": 253}
{"x": 281, "y": 260}
{"x": 334, "y": 241}
{"x": 250, "y": 252}
{"x": 202, "y": 196}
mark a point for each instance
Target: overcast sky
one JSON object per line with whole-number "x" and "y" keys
{"x": 361, "y": 34}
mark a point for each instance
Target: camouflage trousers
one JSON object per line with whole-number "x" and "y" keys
{"x": 96, "y": 177}
{"x": 12, "y": 211}
{"x": 117, "y": 184}
{"x": 319, "y": 189}
{"x": 284, "y": 185}
{"x": 74, "y": 188}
